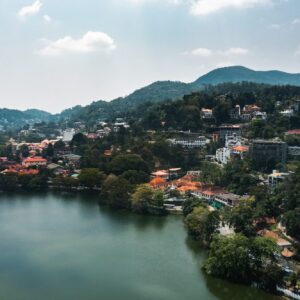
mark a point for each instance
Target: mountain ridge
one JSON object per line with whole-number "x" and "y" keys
{"x": 155, "y": 92}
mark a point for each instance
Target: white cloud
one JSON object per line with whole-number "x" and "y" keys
{"x": 47, "y": 18}
{"x": 30, "y": 10}
{"x": 296, "y": 21}
{"x": 203, "y": 52}
{"x": 298, "y": 51}
{"x": 235, "y": 51}
{"x": 275, "y": 26}
{"x": 205, "y": 7}
{"x": 89, "y": 42}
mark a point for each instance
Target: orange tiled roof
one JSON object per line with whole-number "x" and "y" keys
{"x": 240, "y": 148}
{"x": 34, "y": 159}
{"x": 157, "y": 180}
{"x": 287, "y": 253}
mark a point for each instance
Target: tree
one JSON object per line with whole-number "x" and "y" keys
{"x": 146, "y": 200}
{"x": 240, "y": 217}
{"x": 244, "y": 260}
{"x": 91, "y": 177}
{"x": 116, "y": 192}
{"x": 202, "y": 224}
{"x": 126, "y": 162}
{"x": 189, "y": 205}
{"x": 136, "y": 177}
{"x": 291, "y": 220}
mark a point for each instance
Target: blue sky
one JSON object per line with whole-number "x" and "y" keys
{"x": 55, "y": 54}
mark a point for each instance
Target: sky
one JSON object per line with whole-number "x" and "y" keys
{"x": 55, "y": 54}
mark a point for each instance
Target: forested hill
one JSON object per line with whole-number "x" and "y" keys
{"x": 160, "y": 91}
{"x": 239, "y": 74}
{"x": 16, "y": 118}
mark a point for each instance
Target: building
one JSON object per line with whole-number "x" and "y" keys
{"x": 228, "y": 130}
{"x": 293, "y": 132}
{"x": 263, "y": 151}
{"x": 251, "y": 109}
{"x": 72, "y": 159}
{"x": 294, "y": 152}
{"x": 235, "y": 113}
{"x": 34, "y": 162}
{"x": 206, "y": 114}
{"x": 260, "y": 115}
{"x": 276, "y": 178}
{"x": 190, "y": 142}
{"x": 233, "y": 140}
{"x": 287, "y": 112}
{"x": 68, "y": 135}
{"x": 223, "y": 155}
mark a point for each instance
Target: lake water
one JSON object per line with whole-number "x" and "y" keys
{"x": 56, "y": 247}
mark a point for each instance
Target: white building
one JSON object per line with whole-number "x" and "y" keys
{"x": 206, "y": 113}
{"x": 198, "y": 142}
{"x": 233, "y": 140}
{"x": 287, "y": 112}
{"x": 260, "y": 115}
{"x": 223, "y": 155}
{"x": 68, "y": 135}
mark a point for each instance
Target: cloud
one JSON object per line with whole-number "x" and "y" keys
{"x": 205, "y": 7}
{"x": 47, "y": 18}
{"x": 30, "y": 10}
{"x": 88, "y": 43}
{"x": 275, "y": 26}
{"x": 205, "y": 52}
{"x": 235, "y": 51}
{"x": 296, "y": 21}
{"x": 298, "y": 51}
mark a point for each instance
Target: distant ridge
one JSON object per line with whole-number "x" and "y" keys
{"x": 156, "y": 92}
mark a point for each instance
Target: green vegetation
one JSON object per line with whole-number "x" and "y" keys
{"x": 244, "y": 260}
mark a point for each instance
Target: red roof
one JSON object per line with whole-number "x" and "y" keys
{"x": 34, "y": 159}
{"x": 294, "y": 131}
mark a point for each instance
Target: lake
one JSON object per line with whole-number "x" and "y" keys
{"x": 61, "y": 247}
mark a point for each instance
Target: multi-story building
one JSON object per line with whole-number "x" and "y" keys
{"x": 68, "y": 135}
{"x": 190, "y": 142}
{"x": 263, "y": 151}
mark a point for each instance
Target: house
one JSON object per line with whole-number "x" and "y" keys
{"x": 206, "y": 114}
{"x": 260, "y": 115}
{"x": 276, "y": 178}
{"x": 287, "y": 113}
{"x": 293, "y": 132}
{"x": 34, "y": 162}
{"x": 161, "y": 173}
{"x": 251, "y": 109}
{"x": 240, "y": 150}
{"x": 72, "y": 159}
